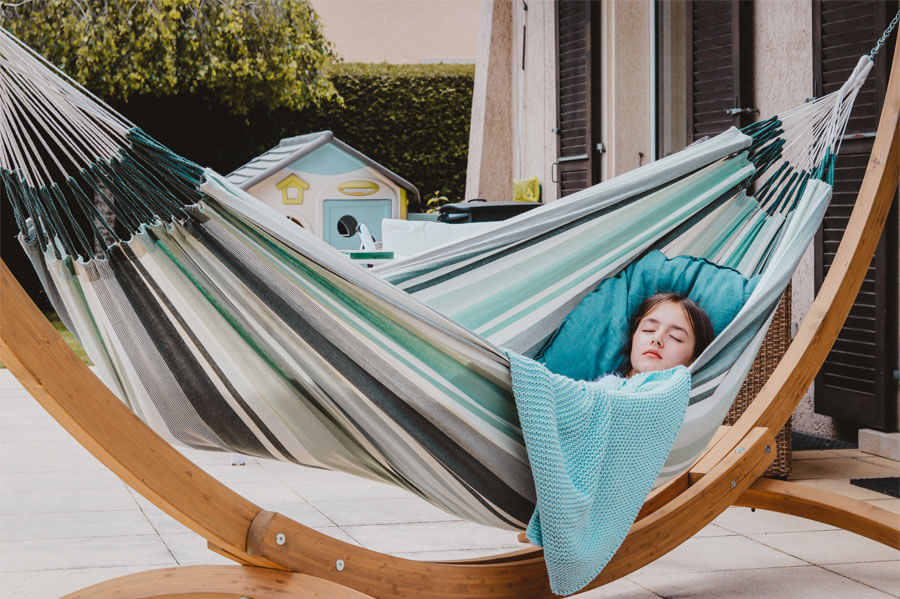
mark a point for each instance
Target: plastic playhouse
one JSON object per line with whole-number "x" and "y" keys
{"x": 315, "y": 180}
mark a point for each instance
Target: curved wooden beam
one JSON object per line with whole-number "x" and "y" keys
{"x": 96, "y": 418}
{"x": 823, "y": 506}
{"x": 781, "y": 394}
{"x": 216, "y": 582}
{"x": 302, "y": 549}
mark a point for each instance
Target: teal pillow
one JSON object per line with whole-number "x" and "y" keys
{"x": 589, "y": 342}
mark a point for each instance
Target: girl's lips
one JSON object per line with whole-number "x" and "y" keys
{"x": 653, "y": 354}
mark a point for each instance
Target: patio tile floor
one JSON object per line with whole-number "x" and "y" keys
{"x": 66, "y": 522}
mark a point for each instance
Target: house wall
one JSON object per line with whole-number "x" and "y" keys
{"x": 672, "y": 79}
{"x": 489, "y": 170}
{"x": 534, "y": 90}
{"x": 628, "y": 105}
{"x": 402, "y": 31}
{"x": 783, "y": 78}
{"x": 513, "y": 139}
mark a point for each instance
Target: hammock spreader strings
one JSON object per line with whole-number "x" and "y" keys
{"x": 59, "y": 141}
{"x": 794, "y": 148}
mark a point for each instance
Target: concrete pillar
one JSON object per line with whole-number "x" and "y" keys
{"x": 627, "y": 100}
{"x": 490, "y": 165}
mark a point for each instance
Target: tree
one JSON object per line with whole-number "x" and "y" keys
{"x": 243, "y": 53}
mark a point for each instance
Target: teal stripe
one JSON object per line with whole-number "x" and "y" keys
{"x": 643, "y": 223}
{"x": 491, "y": 399}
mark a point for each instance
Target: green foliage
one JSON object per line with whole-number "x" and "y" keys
{"x": 413, "y": 119}
{"x": 243, "y": 53}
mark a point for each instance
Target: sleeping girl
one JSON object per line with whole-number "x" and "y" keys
{"x": 667, "y": 330}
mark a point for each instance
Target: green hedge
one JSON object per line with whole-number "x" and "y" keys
{"x": 413, "y": 119}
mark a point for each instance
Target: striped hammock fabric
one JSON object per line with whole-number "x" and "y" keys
{"x": 226, "y": 327}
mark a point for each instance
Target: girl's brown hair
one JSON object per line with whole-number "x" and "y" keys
{"x": 700, "y": 323}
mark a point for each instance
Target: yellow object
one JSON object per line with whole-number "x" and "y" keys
{"x": 435, "y": 202}
{"x": 358, "y": 188}
{"x": 527, "y": 190}
{"x": 292, "y": 188}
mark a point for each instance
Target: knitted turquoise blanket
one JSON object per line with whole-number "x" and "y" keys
{"x": 595, "y": 450}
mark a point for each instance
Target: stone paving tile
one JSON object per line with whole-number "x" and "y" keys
{"x": 55, "y": 554}
{"x": 319, "y": 485}
{"x": 805, "y": 582}
{"x": 265, "y": 493}
{"x": 828, "y": 546}
{"x": 50, "y": 462}
{"x": 884, "y": 576}
{"x": 818, "y": 454}
{"x": 713, "y": 530}
{"x": 718, "y": 553}
{"x": 620, "y": 589}
{"x": 892, "y": 505}
{"x": 51, "y": 432}
{"x": 51, "y": 481}
{"x": 841, "y": 486}
{"x": 17, "y": 527}
{"x": 843, "y": 468}
{"x": 390, "y": 510}
{"x": 41, "y": 584}
{"x": 161, "y": 522}
{"x": 431, "y": 536}
{"x": 338, "y": 533}
{"x": 228, "y": 474}
{"x": 743, "y": 520}
{"x": 27, "y": 421}
{"x": 303, "y": 512}
{"x": 77, "y": 500}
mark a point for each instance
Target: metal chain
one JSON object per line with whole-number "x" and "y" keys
{"x": 884, "y": 36}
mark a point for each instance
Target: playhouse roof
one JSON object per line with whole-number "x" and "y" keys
{"x": 291, "y": 149}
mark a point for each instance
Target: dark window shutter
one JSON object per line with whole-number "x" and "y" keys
{"x": 856, "y": 383}
{"x": 578, "y": 127}
{"x": 721, "y": 71}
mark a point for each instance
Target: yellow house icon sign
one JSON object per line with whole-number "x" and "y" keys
{"x": 292, "y": 188}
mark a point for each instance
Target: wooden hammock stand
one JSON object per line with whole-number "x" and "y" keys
{"x": 278, "y": 557}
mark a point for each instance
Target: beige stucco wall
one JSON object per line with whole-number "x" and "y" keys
{"x": 402, "y": 31}
{"x": 489, "y": 171}
{"x": 783, "y": 78}
{"x": 672, "y": 79}
{"x": 534, "y": 110}
{"x": 628, "y": 106}
{"x": 514, "y": 102}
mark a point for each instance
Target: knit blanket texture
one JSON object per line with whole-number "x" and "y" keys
{"x": 595, "y": 448}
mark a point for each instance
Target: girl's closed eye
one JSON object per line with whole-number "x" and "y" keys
{"x": 667, "y": 330}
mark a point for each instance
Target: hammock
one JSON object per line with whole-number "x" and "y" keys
{"x": 225, "y": 327}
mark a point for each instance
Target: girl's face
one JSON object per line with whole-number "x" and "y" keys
{"x": 664, "y": 339}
